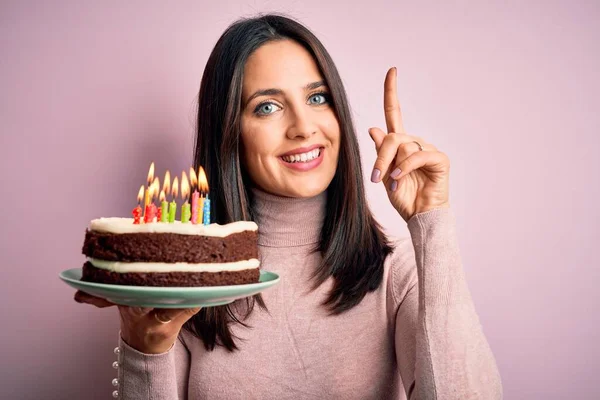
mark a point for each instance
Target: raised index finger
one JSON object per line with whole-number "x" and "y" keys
{"x": 391, "y": 105}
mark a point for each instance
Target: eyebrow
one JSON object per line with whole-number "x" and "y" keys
{"x": 273, "y": 91}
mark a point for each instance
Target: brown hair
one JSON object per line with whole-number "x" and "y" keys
{"x": 352, "y": 243}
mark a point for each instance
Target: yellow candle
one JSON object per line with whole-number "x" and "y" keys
{"x": 149, "y": 188}
{"x": 173, "y": 205}
{"x": 200, "y": 209}
{"x": 147, "y": 197}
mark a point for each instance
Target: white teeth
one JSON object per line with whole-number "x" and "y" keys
{"x": 304, "y": 157}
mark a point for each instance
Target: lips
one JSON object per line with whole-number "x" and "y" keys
{"x": 304, "y": 158}
{"x": 301, "y": 150}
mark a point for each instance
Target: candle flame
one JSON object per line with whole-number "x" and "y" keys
{"x": 185, "y": 186}
{"x": 140, "y": 194}
{"x": 193, "y": 178}
{"x": 151, "y": 174}
{"x": 162, "y": 196}
{"x": 202, "y": 181}
{"x": 175, "y": 188}
{"x": 155, "y": 189}
{"x": 167, "y": 182}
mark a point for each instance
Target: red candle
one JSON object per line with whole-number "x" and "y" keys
{"x": 150, "y": 208}
{"x": 149, "y": 214}
{"x": 137, "y": 213}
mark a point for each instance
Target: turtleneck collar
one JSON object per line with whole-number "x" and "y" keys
{"x": 287, "y": 221}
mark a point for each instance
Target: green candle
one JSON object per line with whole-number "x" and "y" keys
{"x": 164, "y": 207}
{"x": 185, "y": 212}
{"x": 172, "y": 211}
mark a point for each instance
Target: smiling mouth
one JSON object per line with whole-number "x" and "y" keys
{"x": 303, "y": 157}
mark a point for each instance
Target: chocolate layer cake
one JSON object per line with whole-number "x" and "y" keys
{"x": 120, "y": 252}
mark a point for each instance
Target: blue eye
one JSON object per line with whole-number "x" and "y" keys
{"x": 266, "y": 109}
{"x": 318, "y": 98}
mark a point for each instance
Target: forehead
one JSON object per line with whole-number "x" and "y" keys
{"x": 282, "y": 64}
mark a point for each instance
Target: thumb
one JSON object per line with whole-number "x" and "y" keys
{"x": 377, "y": 135}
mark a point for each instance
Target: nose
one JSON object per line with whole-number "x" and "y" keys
{"x": 302, "y": 126}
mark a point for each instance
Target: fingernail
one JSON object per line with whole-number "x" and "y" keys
{"x": 394, "y": 186}
{"x": 77, "y": 300}
{"x": 375, "y": 175}
{"x": 395, "y": 173}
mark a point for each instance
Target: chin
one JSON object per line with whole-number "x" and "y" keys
{"x": 298, "y": 189}
{"x": 308, "y": 192}
{"x": 308, "y": 187}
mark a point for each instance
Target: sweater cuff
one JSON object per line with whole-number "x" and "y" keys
{"x": 143, "y": 376}
{"x": 439, "y": 266}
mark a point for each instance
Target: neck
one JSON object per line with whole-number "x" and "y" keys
{"x": 288, "y": 221}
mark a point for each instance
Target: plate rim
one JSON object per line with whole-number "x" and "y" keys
{"x": 155, "y": 289}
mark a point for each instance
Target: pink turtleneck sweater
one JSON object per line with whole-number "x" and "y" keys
{"x": 417, "y": 336}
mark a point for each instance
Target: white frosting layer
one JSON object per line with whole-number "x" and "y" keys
{"x": 121, "y": 267}
{"x": 126, "y": 225}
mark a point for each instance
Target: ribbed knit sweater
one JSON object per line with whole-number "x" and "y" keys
{"x": 417, "y": 336}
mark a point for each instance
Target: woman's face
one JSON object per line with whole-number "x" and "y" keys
{"x": 290, "y": 134}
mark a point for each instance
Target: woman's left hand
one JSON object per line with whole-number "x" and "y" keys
{"x": 414, "y": 172}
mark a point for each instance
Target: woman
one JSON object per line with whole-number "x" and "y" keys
{"x": 355, "y": 316}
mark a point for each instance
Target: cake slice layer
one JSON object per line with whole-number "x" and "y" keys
{"x": 170, "y": 247}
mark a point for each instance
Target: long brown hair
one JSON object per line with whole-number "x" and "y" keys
{"x": 352, "y": 243}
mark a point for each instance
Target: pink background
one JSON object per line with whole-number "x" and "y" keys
{"x": 90, "y": 94}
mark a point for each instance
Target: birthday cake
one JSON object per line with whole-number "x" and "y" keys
{"x": 121, "y": 252}
{"x": 155, "y": 249}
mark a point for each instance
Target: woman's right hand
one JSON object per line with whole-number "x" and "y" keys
{"x": 148, "y": 330}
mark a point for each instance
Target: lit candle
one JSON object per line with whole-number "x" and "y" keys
{"x": 173, "y": 204}
{"x": 203, "y": 184}
{"x": 185, "y": 213}
{"x": 163, "y": 211}
{"x": 154, "y": 194}
{"x": 185, "y": 191}
{"x": 206, "y": 210}
{"x": 147, "y": 195}
{"x": 164, "y": 206}
{"x": 149, "y": 217}
{"x": 195, "y": 195}
{"x": 150, "y": 210}
{"x": 137, "y": 212}
{"x": 207, "y": 207}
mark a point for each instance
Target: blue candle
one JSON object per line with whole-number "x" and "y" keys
{"x": 206, "y": 211}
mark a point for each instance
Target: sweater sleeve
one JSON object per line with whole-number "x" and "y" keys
{"x": 153, "y": 376}
{"x": 441, "y": 350}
